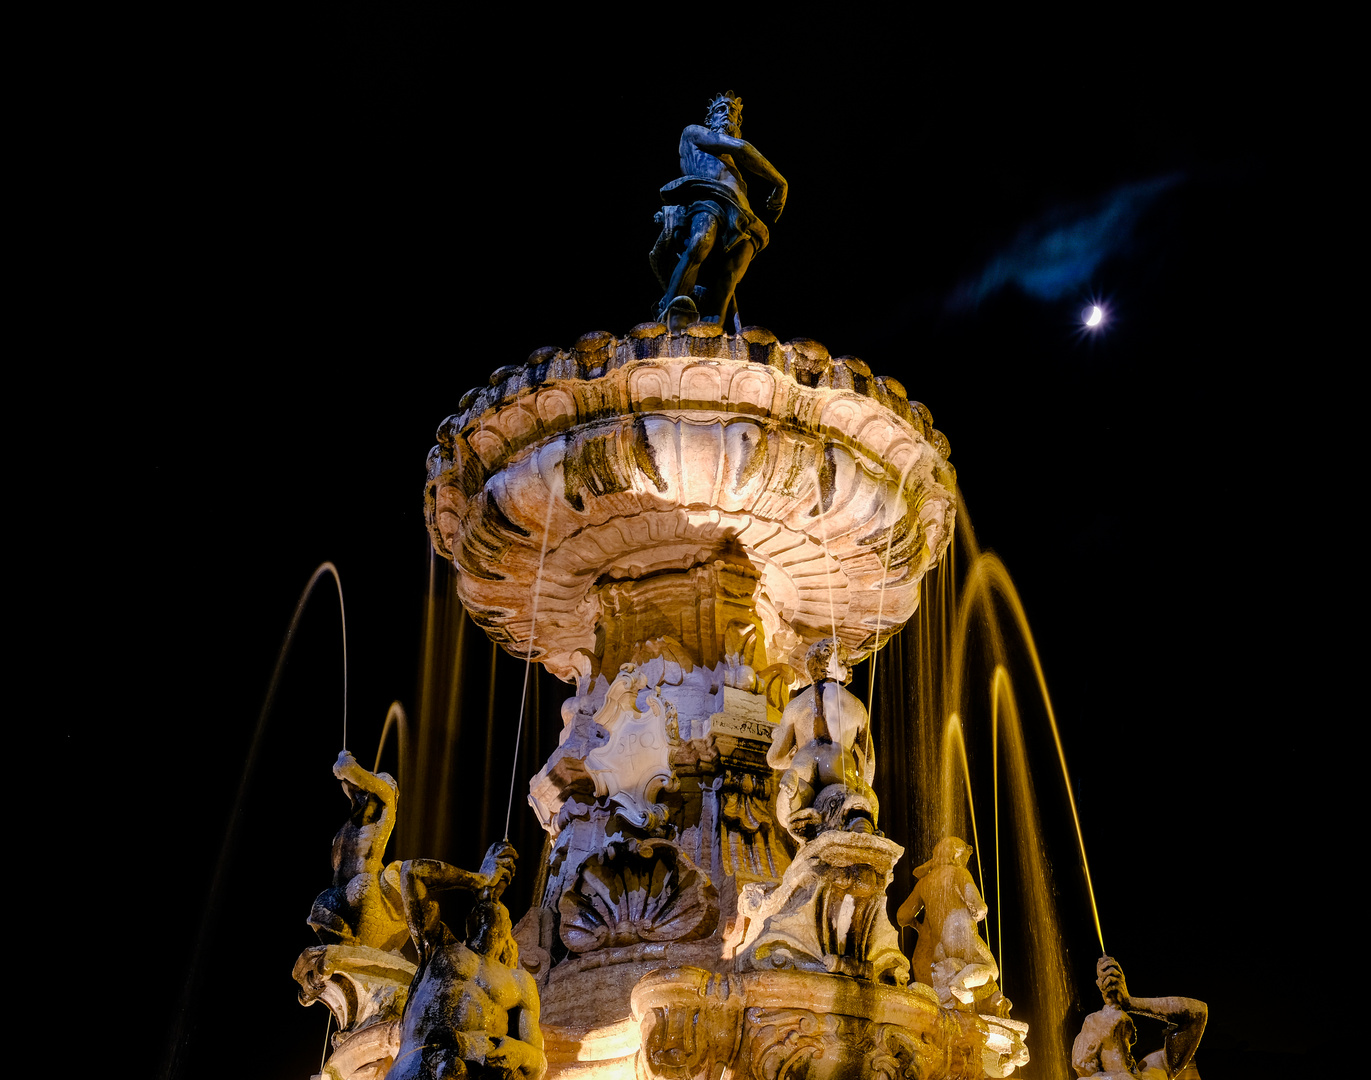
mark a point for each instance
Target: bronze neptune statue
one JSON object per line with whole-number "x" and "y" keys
{"x": 709, "y": 232}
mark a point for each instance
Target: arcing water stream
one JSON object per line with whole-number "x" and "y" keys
{"x": 946, "y": 688}
{"x": 955, "y": 653}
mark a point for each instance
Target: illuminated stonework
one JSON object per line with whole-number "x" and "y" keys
{"x": 654, "y": 454}
{"x": 677, "y": 522}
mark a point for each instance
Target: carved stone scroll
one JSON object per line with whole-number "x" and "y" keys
{"x": 366, "y": 990}
{"x": 800, "y": 1025}
{"x": 691, "y": 1022}
{"x": 634, "y": 763}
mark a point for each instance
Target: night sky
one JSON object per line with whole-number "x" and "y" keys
{"x": 341, "y": 226}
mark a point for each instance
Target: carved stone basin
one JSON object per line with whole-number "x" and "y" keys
{"x": 654, "y": 454}
{"x": 802, "y": 1025}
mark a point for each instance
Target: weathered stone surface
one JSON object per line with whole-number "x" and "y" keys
{"x": 1104, "y": 1048}
{"x": 706, "y": 507}
{"x": 827, "y": 914}
{"x": 471, "y": 1008}
{"x": 661, "y": 463}
{"x": 800, "y": 1025}
{"x": 824, "y": 752}
{"x": 950, "y": 955}
{"x": 638, "y": 892}
{"x": 359, "y": 985}
{"x": 362, "y": 907}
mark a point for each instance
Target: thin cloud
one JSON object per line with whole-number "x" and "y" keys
{"x": 1057, "y": 255}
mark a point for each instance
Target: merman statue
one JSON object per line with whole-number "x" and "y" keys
{"x": 472, "y": 1010}
{"x": 362, "y": 907}
{"x": 1104, "y": 1048}
{"x": 823, "y": 744}
{"x": 950, "y": 955}
{"x": 709, "y": 232}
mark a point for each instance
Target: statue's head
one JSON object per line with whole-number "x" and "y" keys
{"x": 725, "y": 113}
{"x": 949, "y": 851}
{"x": 490, "y": 933}
{"x": 827, "y": 659}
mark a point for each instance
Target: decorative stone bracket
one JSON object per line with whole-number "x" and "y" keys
{"x": 827, "y": 914}
{"x": 366, "y": 990}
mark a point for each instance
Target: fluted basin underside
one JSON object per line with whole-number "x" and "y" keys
{"x": 675, "y": 448}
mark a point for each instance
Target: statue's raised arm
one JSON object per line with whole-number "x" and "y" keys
{"x": 709, "y": 232}
{"x": 362, "y": 906}
{"x": 422, "y": 879}
{"x": 1104, "y": 1048}
{"x": 472, "y": 1010}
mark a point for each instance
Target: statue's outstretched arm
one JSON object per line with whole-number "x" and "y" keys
{"x": 742, "y": 151}
{"x": 435, "y": 875}
{"x": 746, "y": 155}
{"x": 1187, "y": 1018}
{"x": 419, "y": 877}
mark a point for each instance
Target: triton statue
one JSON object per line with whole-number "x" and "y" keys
{"x": 472, "y": 1010}
{"x": 823, "y": 744}
{"x": 363, "y": 905}
{"x": 1104, "y": 1048}
{"x": 709, "y": 231}
{"x": 950, "y": 955}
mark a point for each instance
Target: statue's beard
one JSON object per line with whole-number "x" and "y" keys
{"x": 726, "y": 127}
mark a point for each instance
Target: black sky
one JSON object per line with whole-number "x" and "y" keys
{"x": 320, "y": 234}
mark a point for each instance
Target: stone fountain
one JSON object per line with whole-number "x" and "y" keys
{"x": 694, "y": 514}
{"x": 702, "y": 528}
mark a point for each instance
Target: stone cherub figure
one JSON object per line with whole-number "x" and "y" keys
{"x": 362, "y": 906}
{"x": 472, "y": 1010}
{"x": 823, "y": 744}
{"x": 709, "y": 231}
{"x": 950, "y": 955}
{"x": 1104, "y": 1048}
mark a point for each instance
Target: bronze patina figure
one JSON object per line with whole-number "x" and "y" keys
{"x": 709, "y": 232}
{"x": 1104, "y": 1048}
{"x": 472, "y": 1010}
{"x": 362, "y": 907}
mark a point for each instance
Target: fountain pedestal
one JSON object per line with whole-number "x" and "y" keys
{"x": 688, "y": 513}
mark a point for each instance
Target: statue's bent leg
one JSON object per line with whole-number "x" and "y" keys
{"x": 722, "y": 302}
{"x": 795, "y": 795}
{"x": 703, "y": 230}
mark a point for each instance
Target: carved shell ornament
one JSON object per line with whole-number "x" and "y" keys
{"x": 637, "y": 892}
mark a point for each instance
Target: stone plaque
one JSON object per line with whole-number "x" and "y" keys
{"x": 744, "y": 717}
